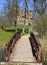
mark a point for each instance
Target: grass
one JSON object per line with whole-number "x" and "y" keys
{"x": 43, "y": 43}
{"x": 18, "y": 26}
{"x": 4, "y": 37}
{"x": 22, "y": 34}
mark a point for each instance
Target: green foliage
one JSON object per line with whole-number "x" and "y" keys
{"x": 4, "y": 37}
{"x": 40, "y": 25}
{"x": 43, "y": 49}
{"x": 26, "y": 29}
{"x": 21, "y": 27}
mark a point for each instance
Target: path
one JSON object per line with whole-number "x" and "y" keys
{"x": 22, "y": 51}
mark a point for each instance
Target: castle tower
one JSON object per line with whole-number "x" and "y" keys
{"x": 14, "y": 1}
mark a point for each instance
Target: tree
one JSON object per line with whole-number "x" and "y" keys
{"x": 7, "y": 11}
{"x": 25, "y": 11}
{"x": 40, "y": 7}
{"x": 1, "y": 20}
{"x": 15, "y": 11}
{"x": 40, "y": 25}
{"x": 11, "y": 11}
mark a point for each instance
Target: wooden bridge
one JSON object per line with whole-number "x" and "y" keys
{"x": 19, "y": 49}
{"x": 22, "y": 51}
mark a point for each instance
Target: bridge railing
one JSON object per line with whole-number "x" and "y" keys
{"x": 35, "y": 46}
{"x": 11, "y": 43}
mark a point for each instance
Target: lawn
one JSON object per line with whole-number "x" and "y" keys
{"x": 17, "y": 26}
{"x": 5, "y": 36}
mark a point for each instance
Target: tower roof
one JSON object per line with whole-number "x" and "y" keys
{"x": 14, "y": 0}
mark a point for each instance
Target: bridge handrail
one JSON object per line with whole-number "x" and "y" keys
{"x": 11, "y": 43}
{"x": 35, "y": 45}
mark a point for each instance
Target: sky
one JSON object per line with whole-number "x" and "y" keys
{"x": 30, "y": 2}
{"x": 1, "y": 4}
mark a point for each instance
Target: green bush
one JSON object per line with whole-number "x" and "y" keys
{"x": 40, "y": 25}
{"x": 20, "y": 29}
{"x": 26, "y": 30}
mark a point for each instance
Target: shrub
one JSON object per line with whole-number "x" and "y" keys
{"x": 40, "y": 25}
{"x": 26, "y": 30}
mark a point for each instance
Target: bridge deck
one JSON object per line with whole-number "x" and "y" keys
{"x": 22, "y": 51}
